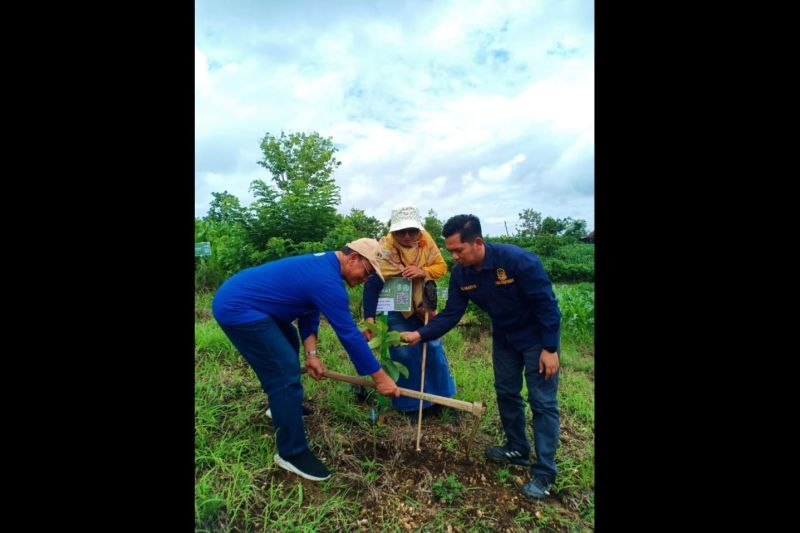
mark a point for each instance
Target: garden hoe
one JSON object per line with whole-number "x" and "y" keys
{"x": 476, "y": 408}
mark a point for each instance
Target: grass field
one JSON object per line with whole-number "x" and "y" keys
{"x": 379, "y": 482}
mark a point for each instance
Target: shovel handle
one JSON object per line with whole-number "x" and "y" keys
{"x": 476, "y": 408}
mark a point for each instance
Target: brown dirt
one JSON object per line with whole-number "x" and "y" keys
{"x": 406, "y": 475}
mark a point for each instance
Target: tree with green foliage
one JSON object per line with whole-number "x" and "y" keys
{"x": 575, "y": 229}
{"x": 530, "y": 221}
{"x": 267, "y": 218}
{"x": 342, "y": 233}
{"x": 302, "y": 207}
{"x": 532, "y": 225}
{"x": 291, "y": 216}
{"x": 225, "y": 207}
{"x": 351, "y": 227}
{"x": 551, "y": 226}
{"x": 299, "y": 157}
{"x": 230, "y": 251}
{"x": 434, "y": 226}
{"x": 366, "y": 226}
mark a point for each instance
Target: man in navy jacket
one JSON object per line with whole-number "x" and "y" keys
{"x": 511, "y": 285}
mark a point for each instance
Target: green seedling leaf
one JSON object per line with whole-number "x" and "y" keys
{"x": 383, "y": 339}
{"x": 391, "y": 369}
{"x": 373, "y": 327}
{"x": 403, "y": 370}
{"x": 393, "y": 339}
{"x": 394, "y": 369}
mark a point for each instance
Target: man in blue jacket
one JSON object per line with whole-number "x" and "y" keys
{"x": 255, "y": 308}
{"x": 511, "y": 285}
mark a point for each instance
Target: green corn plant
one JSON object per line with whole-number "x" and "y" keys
{"x": 384, "y": 339}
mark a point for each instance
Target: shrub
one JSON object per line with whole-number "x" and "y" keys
{"x": 561, "y": 271}
{"x": 448, "y": 489}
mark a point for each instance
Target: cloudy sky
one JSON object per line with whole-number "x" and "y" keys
{"x": 462, "y": 106}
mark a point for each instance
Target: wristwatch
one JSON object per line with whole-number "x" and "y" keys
{"x": 311, "y": 353}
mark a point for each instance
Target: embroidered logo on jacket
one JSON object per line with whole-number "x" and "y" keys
{"x": 502, "y": 279}
{"x": 469, "y": 287}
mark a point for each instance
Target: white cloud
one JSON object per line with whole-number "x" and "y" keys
{"x": 499, "y": 173}
{"x": 477, "y": 107}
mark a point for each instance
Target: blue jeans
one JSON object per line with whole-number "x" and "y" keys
{"x": 438, "y": 379}
{"x": 509, "y": 365}
{"x": 271, "y": 348}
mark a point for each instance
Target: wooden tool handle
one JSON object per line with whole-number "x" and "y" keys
{"x": 476, "y": 408}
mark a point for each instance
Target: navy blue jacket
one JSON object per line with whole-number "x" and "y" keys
{"x": 513, "y": 288}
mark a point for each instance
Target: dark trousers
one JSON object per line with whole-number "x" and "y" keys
{"x": 271, "y": 348}
{"x": 509, "y": 366}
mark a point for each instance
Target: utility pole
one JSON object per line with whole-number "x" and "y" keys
{"x": 506, "y": 224}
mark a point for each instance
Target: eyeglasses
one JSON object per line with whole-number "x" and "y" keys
{"x": 366, "y": 269}
{"x": 408, "y": 231}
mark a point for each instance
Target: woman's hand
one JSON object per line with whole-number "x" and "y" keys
{"x": 412, "y": 272}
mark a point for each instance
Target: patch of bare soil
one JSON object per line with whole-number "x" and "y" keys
{"x": 388, "y": 472}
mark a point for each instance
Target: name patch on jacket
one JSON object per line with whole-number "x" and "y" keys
{"x": 502, "y": 279}
{"x": 469, "y": 287}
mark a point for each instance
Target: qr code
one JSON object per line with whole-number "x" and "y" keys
{"x": 402, "y": 297}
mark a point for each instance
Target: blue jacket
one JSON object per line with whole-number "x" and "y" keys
{"x": 513, "y": 288}
{"x": 299, "y": 288}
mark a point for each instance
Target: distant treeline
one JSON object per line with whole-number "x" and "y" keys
{"x": 297, "y": 214}
{"x": 241, "y": 243}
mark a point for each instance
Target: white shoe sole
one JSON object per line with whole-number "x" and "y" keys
{"x": 286, "y": 465}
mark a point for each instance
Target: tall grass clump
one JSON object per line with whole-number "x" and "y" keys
{"x": 577, "y": 311}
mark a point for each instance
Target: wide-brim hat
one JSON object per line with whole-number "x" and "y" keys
{"x": 371, "y": 251}
{"x": 405, "y": 217}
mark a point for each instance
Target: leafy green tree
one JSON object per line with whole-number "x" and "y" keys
{"x": 230, "y": 251}
{"x": 530, "y": 221}
{"x": 307, "y": 247}
{"x": 275, "y": 249}
{"x": 551, "y": 226}
{"x": 309, "y": 213}
{"x": 302, "y": 207}
{"x": 366, "y": 226}
{"x": 225, "y": 207}
{"x": 267, "y": 218}
{"x": 433, "y": 226}
{"x": 299, "y": 157}
{"x": 341, "y": 234}
{"x": 575, "y": 229}
{"x": 351, "y": 227}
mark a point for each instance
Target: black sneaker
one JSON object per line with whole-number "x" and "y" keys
{"x": 305, "y": 464}
{"x": 306, "y": 412}
{"x": 504, "y": 455}
{"x": 537, "y": 488}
